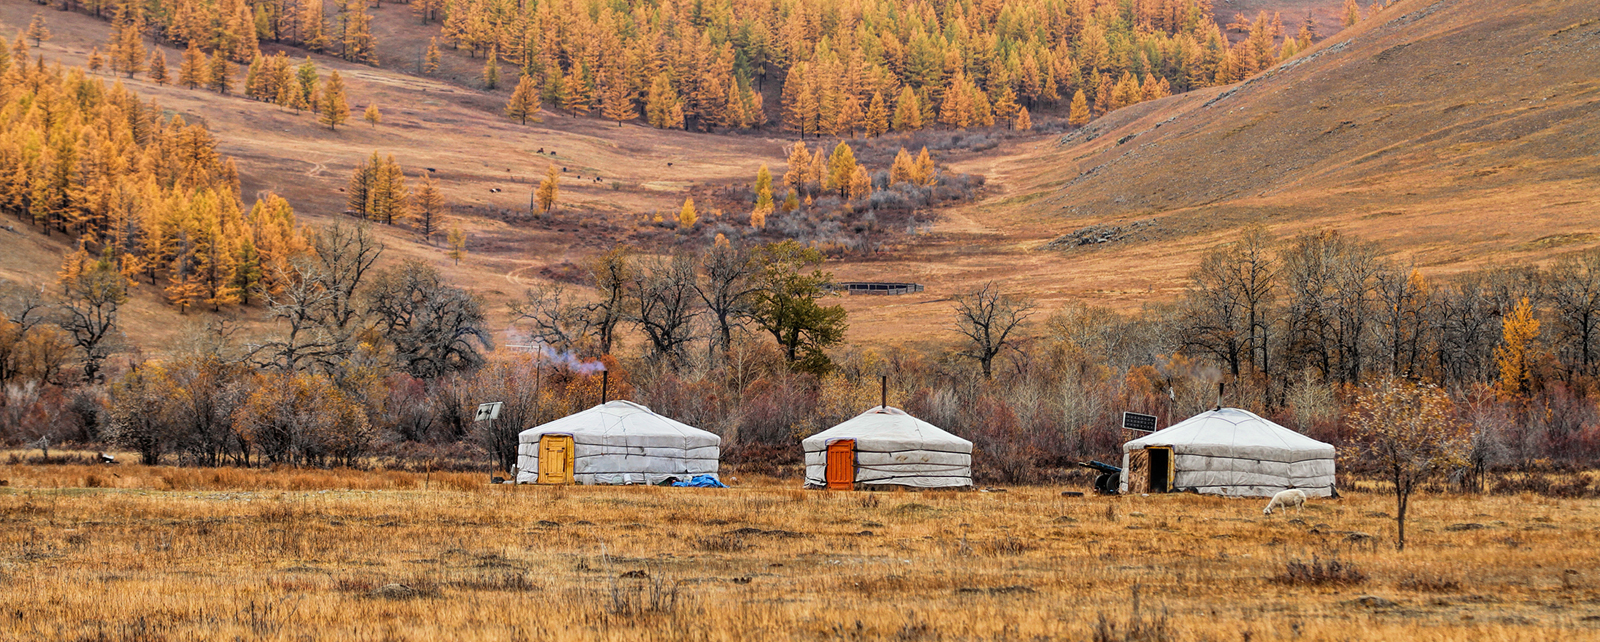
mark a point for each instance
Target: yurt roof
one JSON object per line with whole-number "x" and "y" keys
{"x": 1231, "y": 432}
{"x": 621, "y": 418}
{"x": 889, "y": 429}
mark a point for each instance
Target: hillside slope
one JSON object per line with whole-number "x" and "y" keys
{"x": 1452, "y": 130}
{"x": 1453, "y": 133}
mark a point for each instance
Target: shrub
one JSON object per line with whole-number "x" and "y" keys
{"x": 1320, "y": 572}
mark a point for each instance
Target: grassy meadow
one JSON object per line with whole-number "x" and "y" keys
{"x": 158, "y": 553}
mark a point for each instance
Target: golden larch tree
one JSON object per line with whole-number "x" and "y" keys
{"x": 1518, "y": 352}
{"x": 457, "y": 240}
{"x": 158, "y": 68}
{"x": 372, "y": 115}
{"x": 841, "y": 170}
{"x": 548, "y": 190}
{"x": 687, "y": 216}
{"x": 192, "y": 72}
{"x": 428, "y": 204}
{"x": 904, "y": 169}
{"x": 907, "y": 111}
{"x": 334, "y": 110}
{"x": 524, "y": 103}
{"x": 430, "y": 62}
{"x": 1022, "y": 122}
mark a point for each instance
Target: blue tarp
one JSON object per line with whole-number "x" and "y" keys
{"x": 701, "y": 481}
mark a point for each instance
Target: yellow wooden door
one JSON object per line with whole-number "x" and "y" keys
{"x": 555, "y": 459}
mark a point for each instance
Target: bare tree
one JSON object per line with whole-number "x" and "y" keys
{"x": 1466, "y": 328}
{"x": 1330, "y": 282}
{"x": 316, "y": 298}
{"x": 612, "y": 273}
{"x": 1227, "y": 303}
{"x": 1574, "y": 293}
{"x": 666, "y": 306}
{"x": 22, "y": 311}
{"x": 556, "y": 318}
{"x": 1401, "y": 322}
{"x": 432, "y": 326}
{"x": 728, "y": 290}
{"x": 89, "y": 312}
{"x": 989, "y": 321}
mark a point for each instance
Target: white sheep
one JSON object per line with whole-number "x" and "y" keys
{"x": 1285, "y": 499}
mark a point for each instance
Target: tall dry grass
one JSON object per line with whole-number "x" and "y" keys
{"x": 168, "y": 554}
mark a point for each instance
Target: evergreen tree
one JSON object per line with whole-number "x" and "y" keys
{"x": 860, "y": 183}
{"x": 311, "y": 26}
{"x": 578, "y": 94}
{"x": 524, "y": 103}
{"x": 246, "y": 270}
{"x": 306, "y": 76}
{"x": 253, "y": 79}
{"x": 763, "y": 186}
{"x": 358, "y": 191}
{"x": 334, "y": 110}
{"x": 356, "y": 41}
{"x": 800, "y": 105}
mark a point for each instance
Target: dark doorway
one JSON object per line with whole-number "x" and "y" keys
{"x": 1160, "y": 470}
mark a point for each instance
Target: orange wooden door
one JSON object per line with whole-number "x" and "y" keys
{"x": 842, "y": 465}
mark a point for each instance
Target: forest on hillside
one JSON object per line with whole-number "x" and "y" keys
{"x": 837, "y": 67}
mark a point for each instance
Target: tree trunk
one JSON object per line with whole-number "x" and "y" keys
{"x": 1402, "y": 500}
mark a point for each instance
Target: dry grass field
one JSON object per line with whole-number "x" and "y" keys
{"x": 135, "y": 553}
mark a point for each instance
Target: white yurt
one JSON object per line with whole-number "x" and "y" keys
{"x": 886, "y": 446}
{"x": 617, "y": 442}
{"x": 1230, "y": 452}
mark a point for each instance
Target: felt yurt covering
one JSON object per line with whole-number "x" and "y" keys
{"x": 1233, "y": 452}
{"x": 893, "y": 448}
{"x": 621, "y": 442}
